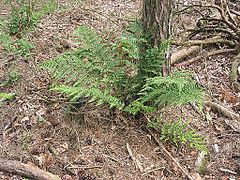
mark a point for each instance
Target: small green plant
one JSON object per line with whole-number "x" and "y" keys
{"x": 20, "y": 47}
{"x": 156, "y": 123}
{"x": 20, "y": 18}
{"x": 12, "y": 78}
{"x": 179, "y": 133}
{"x": 23, "y": 48}
{"x": 6, "y": 97}
{"x": 25, "y": 16}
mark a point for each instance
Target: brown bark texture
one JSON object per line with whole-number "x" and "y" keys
{"x": 157, "y": 20}
{"x": 26, "y": 170}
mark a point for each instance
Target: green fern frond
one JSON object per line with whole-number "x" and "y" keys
{"x": 89, "y": 71}
{"x": 171, "y": 90}
{"x": 151, "y": 62}
{"x": 179, "y": 133}
{"x": 96, "y": 95}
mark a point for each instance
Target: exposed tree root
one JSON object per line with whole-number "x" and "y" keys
{"x": 219, "y": 27}
{"x": 204, "y": 55}
{"x": 209, "y": 41}
{"x": 26, "y": 170}
{"x": 234, "y": 74}
{"x": 179, "y": 56}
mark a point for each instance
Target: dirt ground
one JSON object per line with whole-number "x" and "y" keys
{"x": 89, "y": 142}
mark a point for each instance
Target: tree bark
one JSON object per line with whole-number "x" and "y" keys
{"x": 157, "y": 20}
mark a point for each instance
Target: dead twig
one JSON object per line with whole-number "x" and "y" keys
{"x": 166, "y": 153}
{"x": 227, "y": 171}
{"x": 85, "y": 167}
{"x": 152, "y": 170}
{"x": 209, "y": 41}
{"x": 136, "y": 161}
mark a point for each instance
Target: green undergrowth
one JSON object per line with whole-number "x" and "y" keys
{"x": 6, "y": 97}
{"x": 119, "y": 75}
{"x": 180, "y": 133}
{"x": 24, "y": 16}
{"x": 11, "y": 78}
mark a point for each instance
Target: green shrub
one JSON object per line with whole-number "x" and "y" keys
{"x": 122, "y": 78}
{"x": 20, "y": 18}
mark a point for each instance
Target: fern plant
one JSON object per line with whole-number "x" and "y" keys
{"x": 179, "y": 133}
{"x": 175, "y": 89}
{"x": 89, "y": 71}
{"x": 21, "y": 47}
{"x": 119, "y": 75}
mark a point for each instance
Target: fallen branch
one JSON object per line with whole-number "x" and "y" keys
{"x": 227, "y": 171}
{"x": 26, "y": 170}
{"x": 166, "y": 153}
{"x": 222, "y": 110}
{"x": 205, "y": 55}
{"x": 156, "y": 169}
{"x": 136, "y": 161}
{"x": 212, "y": 29}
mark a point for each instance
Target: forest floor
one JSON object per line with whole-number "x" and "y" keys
{"x": 90, "y": 142}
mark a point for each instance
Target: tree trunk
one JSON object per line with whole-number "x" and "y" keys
{"x": 157, "y": 20}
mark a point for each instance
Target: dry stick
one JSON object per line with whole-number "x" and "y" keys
{"x": 136, "y": 161}
{"x": 168, "y": 154}
{"x": 214, "y": 29}
{"x": 226, "y": 112}
{"x": 229, "y": 13}
{"x": 152, "y": 170}
{"x": 85, "y": 167}
{"x": 26, "y": 170}
{"x": 165, "y": 151}
{"x": 227, "y": 171}
{"x": 235, "y": 12}
{"x": 220, "y": 10}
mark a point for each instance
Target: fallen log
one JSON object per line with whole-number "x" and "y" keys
{"x": 26, "y": 170}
